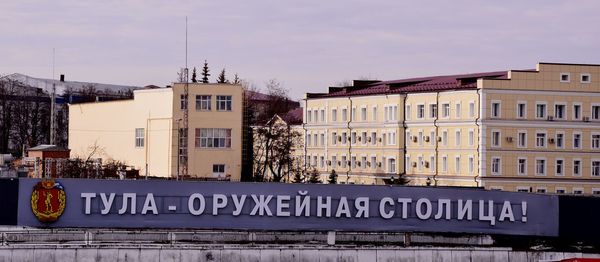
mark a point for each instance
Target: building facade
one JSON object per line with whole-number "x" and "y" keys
{"x": 143, "y": 132}
{"x": 519, "y": 130}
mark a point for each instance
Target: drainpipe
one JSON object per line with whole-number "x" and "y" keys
{"x": 404, "y": 133}
{"x": 349, "y": 143}
{"x": 478, "y": 135}
{"x": 305, "y": 131}
{"x": 437, "y": 129}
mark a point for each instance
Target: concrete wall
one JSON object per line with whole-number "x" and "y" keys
{"x": 277, "y": 253}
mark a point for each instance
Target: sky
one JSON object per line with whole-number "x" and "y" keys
{"x": 306, "y": 45}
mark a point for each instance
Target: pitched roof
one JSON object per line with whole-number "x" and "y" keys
{"x": 410, "y": 85}
{"x": 46, "y": 84}
{"x": 294, "y": 116}
{"x": 48, "y": 148}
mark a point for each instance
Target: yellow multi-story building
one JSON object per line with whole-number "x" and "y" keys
{"x": 143, "y": 131}
{"x": 519, "y": 130}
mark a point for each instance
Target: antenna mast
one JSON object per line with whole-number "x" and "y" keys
{"x": 53, "y": 102}
{"x": 183, "y": 133}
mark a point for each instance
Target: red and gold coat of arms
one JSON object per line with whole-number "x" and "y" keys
{"x": 48, "y": 200}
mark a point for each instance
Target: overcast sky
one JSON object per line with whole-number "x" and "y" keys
{"x": 307, "y": 45}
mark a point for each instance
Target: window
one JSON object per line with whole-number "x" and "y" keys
{"x": 596, "y": 112}
{"x": 560, "y": 190}
{"x": 322, "y": 139}
{"x": 363, "y": 114}
{"x": 595, "y": 168}
{"x": 471, "y": 109}
{"x": 224, "y": 103}
{"x": 344, "y": 162}
{"x": 576, "y": 112}
{"x": 560, "y": 165}
{"x": 595, "y": 141}
{"x": 433, "y": 110}
{"x": 373, "y": 162}
{"x": 522, "y": 139}
{"x": 457, "y": 165}
{"x": 219, "y": 170}
{"x": 420, "y": 163}
{"x": 353, "y": 114}
{"x": 559, "y": 111}
{"x": 315, "y": 140}
{"x": 183, "y": 101}
{"x": 139, "y": 137}
{"x": 420, "y": 111}
{"x": 203, "y": 102}
{"x": 308, "y": 116}
{"x": 540, "y": 167}
{"x": 471, "y": 137}
{"x": 344, "y": 138}
{"x": 560, "y": 140}
{"x": 391, "y": 113}
{"x": 314, "y": 161}
{"x": 445, "y": 138}
{"x": 576, "y": 140}
{"x": 495, "y": 109}
{"x": 316, "y": 116}
{"x": 457, "y": 137}
{"x": 334, "y": 162}
{"x": 308, "y": 140}
{"x": 585, "y": 78}
{"x": 374, "y": 113}
{"x": 407, "y": 165}
{"x": 496, "y": 138}
{"x": 344, "y": 114}
{"x": 374, "y": 138}
{"x": 420, "y": 138}
{"x": 522, "y": 189}
{"x": 540, "y": 140}
{"x": 457, "y": 111}
{"x": 213, "y": 138}
{"x": 322, "y": 161}
{"x": 521, "y": 110}
{"x": 578, "y": 191}
{"x": 392, "y": 138}
{"x": 540, "y": 111}
{"x": 353, "y": 137}
{"x": 392, "y": 165}
{"x": 432, "y": 138}
{"x": 334, "y": 138}
{"x": 522, "y": 166}
{"x": 471, "y": 165}
{"x": 576, "y": 167}
{"x": 445, "y": 110}
{"x": 432, "y": 164}
{"x": 540, "y": 190}
{"x": 363, "y": 162}
{"x": 495, "y": 165}
{"x": 444, "y": 164}
{"x": 334, "y": 115}
{"x": 595, "y": 192}
{"x": 565, "y": 77}
{"x": 364, "y": 138}
{"x": 408, "y": 112}
{"x": 322, "y": 115}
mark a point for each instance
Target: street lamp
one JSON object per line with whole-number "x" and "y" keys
{"x": 428, "y": 181}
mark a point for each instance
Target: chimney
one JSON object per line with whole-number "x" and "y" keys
{"x": 62, "y": 78}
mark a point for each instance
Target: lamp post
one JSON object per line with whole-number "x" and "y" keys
{"x": 428, "y": 181}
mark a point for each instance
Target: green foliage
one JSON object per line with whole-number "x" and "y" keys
{"x": 314, "y": 177}
{"x": 332, "y": 177}
{"x": 222, "y": 79}
{"x": 205, "y": 73}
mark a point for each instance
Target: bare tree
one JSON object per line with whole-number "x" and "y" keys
{"x": 274, "y": 147}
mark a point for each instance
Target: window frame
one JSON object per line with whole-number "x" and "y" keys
{"x": 224, "y": 100}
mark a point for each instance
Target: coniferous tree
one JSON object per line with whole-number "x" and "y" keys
{"x": 236, "y": 79}
{"x": 194, "y": 76}
{"x": 332, "y": 177}
{"x": 205, "y": 73}
{"x": 222, "y": 79}
{"x": 313, "y": 176}
{"x": 298, "y": 177}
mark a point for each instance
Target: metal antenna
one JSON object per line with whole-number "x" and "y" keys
{"x": 53, "y": 101}
{"x": 183, "y": 134}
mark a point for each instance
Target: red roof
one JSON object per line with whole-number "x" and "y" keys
{"x": 294, "y": 116}
{"x": 410, "y": 85}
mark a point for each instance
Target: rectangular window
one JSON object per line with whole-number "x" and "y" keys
{"x": 596, "y": 112}
{"x": 432, "y": 163}
{"x": 457, "y": 165}
{"x": 540, "y": 167}
{"x": 363, "y": 114}
{"x": 373, "y": 162}
{"x": 322, "y": 139}
{"x": 432, "y": 110}
{"x": 471, "y": 137}
{"x": 576, "y": 112}
{"x": 420, "y": 111}
{"x": 392, "y": 138}
{"x": 445, "y": 110}
{"x": 522, "y": 166}
{"x": 408, "y": 112}
{"x": 322, "y": 161}
{"x": 334, "y": 162}
{"x": 223, "y": 103}
{"x": 420, "y": 163}
{"x": 540, "y": 140}
{"x": 364, "y": 138}
{"x": 457, "y": 137}
{"x": 139, "y": 137}
{"x": 595, "y": 141}
{"x": 334, "y": 115}
{"x": 540, "y": 111}
{"x": 315, "y": 140}
{"x": 471, "y": 109}
{"x": 203, "y": 102}
{"x": 445, "y": 138}
{"x": 471, "y": 165}
{"x": 353, "y": 114}
{"x": 496, "y": 138}
{"x": 353, "y": 137}
{"x": 344, "y": 162}
{"x": 559, "y": 111}
{"x": 495, "y": 109}
{"x": 432, "y": 138}
{"x": 495, "y": 165}
{"x": 316, "y": 116}
{"x": 560, "y": 166}
{"x": 308, "y": 116}
{"x": 363, "y": 162}
{"x": 565, "y": 77}
{"x": 577, "y": 191}
{"x": 420, "y": 138}
{"x": 345, "y": 115}
{"x": 540, "y": 190}
{"x": 444, "y": 164}
{"x": 576, "y": 167}
{"x": 322, "y": 115}
{"x": 392, "y": 165}
{"x": 560, "y": 190}
{"x": 576, "y": 141}
{"x": 308, "y": 139}
{"x": 219, "y": 170}
{"x": 522, "y": 139}
{"x": 374, "y": 113}
{"x": 344, "y": 138}
{"x": 213, "y": 138}
{"x": 595, "y": 168}
{"x": 334, "y": 138}
{"x": 457, "y": 111}
{"x": 183, "y": 102}
{"x": 560, "y": 140}
{"x": 585, "y": 78}
{"x": 373, "y": 138}
{"x": 521, "y": 110}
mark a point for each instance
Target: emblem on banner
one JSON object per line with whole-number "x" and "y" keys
{"x": 48, "y": 200}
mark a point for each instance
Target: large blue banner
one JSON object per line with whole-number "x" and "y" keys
{"x": 277, "y": 206}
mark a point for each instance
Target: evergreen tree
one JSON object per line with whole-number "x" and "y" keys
{"x": 297, "y": 177}
{"x": 313, "y": 176}
{"x": 236, "y": 79}
{"x": 222, "y": 79}
{"x": 194, "y": 76}
{"x": 332, "y": 177}
{"x": 205, "y": 73}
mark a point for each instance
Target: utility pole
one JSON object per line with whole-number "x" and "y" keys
{"x": 53, "y": 102}
{"x": 183, "y": 133}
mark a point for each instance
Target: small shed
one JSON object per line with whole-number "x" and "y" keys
{"x": 47, "y": 160}
{"x": 48, "y": 151}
